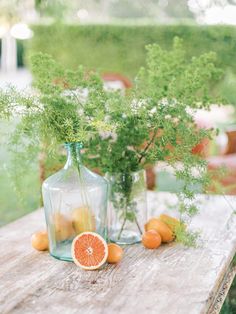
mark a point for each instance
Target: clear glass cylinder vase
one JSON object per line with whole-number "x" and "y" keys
{"x": 75, "y": 201}
{"x": 127, "y": 206}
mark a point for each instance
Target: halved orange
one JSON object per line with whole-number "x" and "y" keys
{"x": 89, "y": 250}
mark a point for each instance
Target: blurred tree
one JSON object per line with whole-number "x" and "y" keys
{"x": 160, "y": 9}
{"x": 9, "y": 12}
{"x": 176, "y": 9}
{"x": 52, "y": 8}
{"x": 129, "y": 9}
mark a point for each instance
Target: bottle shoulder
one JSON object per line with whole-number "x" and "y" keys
{"x": 74, "y": 177}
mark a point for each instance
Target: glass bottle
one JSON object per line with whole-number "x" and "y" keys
{"x": 127, "y": 206}
{"x": 75, "y": 201}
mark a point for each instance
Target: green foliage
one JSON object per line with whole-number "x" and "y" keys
{"x": 186, "y": 237}
{"x": 122, "y": 133}
{"x": 159, "y": 102}
{"x": 229, "y": 306}
{"x": 121, "y": 48}
{"x": 55, "y": 114}
{"x": 154, "y": 122}
{"x": 16, "y": 177}
{"x": 52, "y": 8}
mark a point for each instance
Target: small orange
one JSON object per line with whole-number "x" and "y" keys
{"x": 83, "y": 220}
{"x": 39, "y": 241}
{"x": 160, "y": 227}
{"x": 62, "y": 227}
{"x": 115, "y": 253}
{"x": 171, "y": 222}
{"x": 89, "y": 250}
{"x": 151, "y": 239}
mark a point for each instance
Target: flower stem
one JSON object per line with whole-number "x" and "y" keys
{"x": 122, "y": 228}
{"x": 139, "y": 228}
{"x": 84, "y": 196}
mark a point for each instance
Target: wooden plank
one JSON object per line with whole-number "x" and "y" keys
{"x": 170, "y": 280}
{"x": 223, "y": 290}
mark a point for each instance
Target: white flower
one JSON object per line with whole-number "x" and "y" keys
{"x": 106, "y": 105}
{"x": 152, "y": 111}
{"x": 81, "y": 94}
{"x": 89, "y": 119}
{"x": 80, "y": 112}
{"x": 104, "y": 134}
{"x": 164, "y": 102}
{"x": 175, "y": 120}
{"x": 114, "y": 137}
{"x": 136, "y": 105}
{"x": 107, "y": 118}
{"x": 130, "y": 148}
{"x": 108, "y": 134}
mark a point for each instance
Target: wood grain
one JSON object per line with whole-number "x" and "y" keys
{"x": 170, "y": 280}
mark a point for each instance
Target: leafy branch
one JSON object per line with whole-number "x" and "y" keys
{"x": 143, "y": 153}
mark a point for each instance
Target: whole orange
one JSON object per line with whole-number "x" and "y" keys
{"x": 159, "y": 226}
{"x": 172, "y": 222}
{"x": 39, "y": 241}
{"x": 115, "y": 253}
{"x": 62, "y": 226}
{"x": 151, "y": 239}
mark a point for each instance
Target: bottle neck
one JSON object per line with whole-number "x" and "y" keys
{"x": 73, "y": 154}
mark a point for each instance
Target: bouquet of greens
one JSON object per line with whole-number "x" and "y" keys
{"x": 121, "y": 133}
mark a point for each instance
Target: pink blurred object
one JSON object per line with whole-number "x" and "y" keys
{"x": 202, "y": 148}
{"x": 116, "y": 79}
{"x": 228, "y": 161}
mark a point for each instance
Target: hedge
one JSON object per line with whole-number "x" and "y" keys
{"x": 121, "y": 48}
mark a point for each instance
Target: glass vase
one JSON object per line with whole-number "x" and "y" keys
{"x": 127, "y": 206}
{"x": 75, "y": 201}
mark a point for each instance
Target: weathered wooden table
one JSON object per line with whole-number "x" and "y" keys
{"x": 169, "y": 280}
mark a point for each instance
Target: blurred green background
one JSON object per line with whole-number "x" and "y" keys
{"x": 121, "y": 48}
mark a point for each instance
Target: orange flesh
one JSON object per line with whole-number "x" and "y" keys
{"x": 89, "y": 250}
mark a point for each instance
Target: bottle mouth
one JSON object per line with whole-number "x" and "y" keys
{"x": 78, "y": 145}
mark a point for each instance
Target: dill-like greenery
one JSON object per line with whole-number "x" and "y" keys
{"x": 121, "y": 133}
